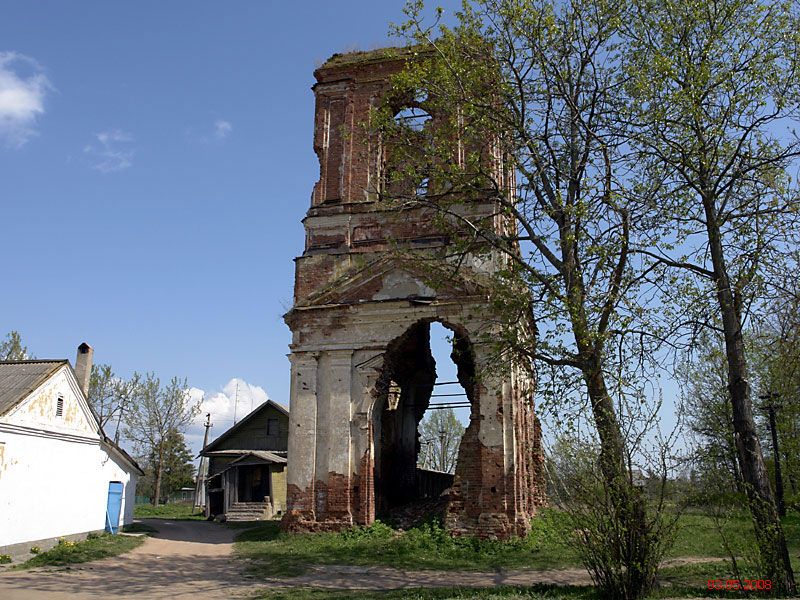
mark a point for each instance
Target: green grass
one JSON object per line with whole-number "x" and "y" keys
{"x": 426, "y": 547}
{"x": 176, "y": 512}
{"x": 95, "y": 548}
{"x": 699, "y": 535}
{"x": 272, "y": 553}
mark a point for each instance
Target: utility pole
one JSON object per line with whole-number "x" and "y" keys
{"x": 200, "y": 482}
{"x": 770, "y": 397}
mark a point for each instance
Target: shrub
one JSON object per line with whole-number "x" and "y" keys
{"x": 378, "y": 530}
{"x": 5, "y": 559}
{"x": 35, "y": 550}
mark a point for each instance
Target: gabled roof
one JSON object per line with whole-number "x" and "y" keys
{"x": 18, "y": 378}
{"x": 247, "y": 419}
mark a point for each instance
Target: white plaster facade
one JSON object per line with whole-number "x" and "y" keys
{"x": 55, "y": 469}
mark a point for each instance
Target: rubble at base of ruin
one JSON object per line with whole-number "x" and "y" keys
{"x": 362, "y": 372}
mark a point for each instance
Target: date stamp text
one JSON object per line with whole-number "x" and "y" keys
{"x": 761, "y": 585}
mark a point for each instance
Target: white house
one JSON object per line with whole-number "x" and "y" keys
{"x": 60, "y": 476}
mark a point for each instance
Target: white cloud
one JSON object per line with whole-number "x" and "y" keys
{"x": 23, "y": 87}
{"x": 218, "y": 131}
{"x": 222, "y": 129}
{"x": 111, "y": 151}
{"x": 223, "y": 407}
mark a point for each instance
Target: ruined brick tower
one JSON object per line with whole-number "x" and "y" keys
{"x": 361, "y": 368}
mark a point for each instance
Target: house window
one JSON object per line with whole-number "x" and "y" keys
{"x": 272, "y": 426}
{"x": 60, "y": 407}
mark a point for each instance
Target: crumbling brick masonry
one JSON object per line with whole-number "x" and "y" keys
{"x": 361, "y": 368}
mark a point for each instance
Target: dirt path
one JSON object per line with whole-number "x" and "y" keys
{"x": 185, "y": 559}
{"x": 193, "y": 560}
{"x": 386, "y": 578}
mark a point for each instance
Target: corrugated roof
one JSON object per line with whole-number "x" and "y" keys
{"x": 266, "y": 455}
{"x": 18, "y": 378}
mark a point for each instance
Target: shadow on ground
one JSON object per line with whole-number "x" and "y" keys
{"x": 200, "y": 532}
{"x": 146, "y": 577}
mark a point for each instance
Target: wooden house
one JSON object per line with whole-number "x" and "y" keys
{"x": 247, "y": 466}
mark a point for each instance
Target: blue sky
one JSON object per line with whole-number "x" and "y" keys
{"x": 155, "y": 163}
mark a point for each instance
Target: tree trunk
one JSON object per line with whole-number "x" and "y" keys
{"x": 612, "y": 451}
{"x": 159, "y": 471}
{"x": 769, "y": 532}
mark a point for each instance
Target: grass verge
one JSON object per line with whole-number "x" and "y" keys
{"x": 550, "y": 545}
{"x": 273, "y": 553}
{"x": 94, "y": 548}
{"x": 176, "y": 512}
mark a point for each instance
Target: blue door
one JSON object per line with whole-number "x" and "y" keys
{"x": 114, "y": 506}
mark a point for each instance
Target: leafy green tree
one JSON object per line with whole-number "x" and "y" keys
{"x": 709, "y": 417}
{"x": 776, "y": 357}
{"x": 177, "y": 471}
{"x": 108, "y": 394}
{"x": 713, "y": 88}
{"x": 154, "y": 413}
{"x": 440, "y": 435}
{"x": 523, "y": 97}
{"x": 12, "y": 348}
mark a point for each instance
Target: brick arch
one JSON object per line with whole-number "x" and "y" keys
{"x": 401, "y": 396}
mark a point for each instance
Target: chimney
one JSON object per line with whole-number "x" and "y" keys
{"x": 83, "y": 367}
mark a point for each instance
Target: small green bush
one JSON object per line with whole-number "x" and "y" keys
{"x": 5, "y": 559}
{"x": 35, "y": 550}
{"x": 92, "y": 536}
{"x": 378, "y": 530}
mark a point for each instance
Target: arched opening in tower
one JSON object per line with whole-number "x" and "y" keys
{"x": 416, "y": 428}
